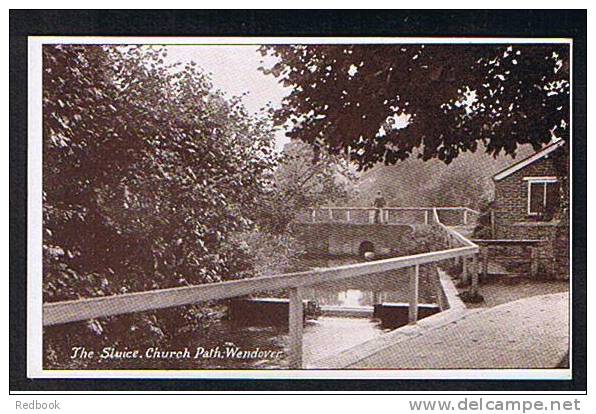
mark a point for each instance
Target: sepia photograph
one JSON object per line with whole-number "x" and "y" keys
{"x": 332, "y": 205}
{"x": 344, "y": 206}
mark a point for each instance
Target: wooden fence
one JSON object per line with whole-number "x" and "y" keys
{"x": 83, "y": 309}
{"x": 387, "y": 215}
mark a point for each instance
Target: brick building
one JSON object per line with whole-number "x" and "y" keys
{"x": 531, "y": 203}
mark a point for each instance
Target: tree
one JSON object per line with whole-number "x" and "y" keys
{"x": 463, "y": 185}
{"x": 377, "y": 103}
{"x": 299, "y": 182}
{"x": 149, "y": 175}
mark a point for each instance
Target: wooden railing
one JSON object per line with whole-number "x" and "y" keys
{"x": 83, "y": 309}
{"x": 387, "y": 215}
{"x": 533, "y": 245}
{"x": 453, "y": 238}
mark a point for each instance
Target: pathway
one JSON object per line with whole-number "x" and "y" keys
{"x": 527, "y": 333}
{"x": 497, "y": 293}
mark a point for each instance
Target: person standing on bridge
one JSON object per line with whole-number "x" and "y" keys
{"x": 379, "y": 204}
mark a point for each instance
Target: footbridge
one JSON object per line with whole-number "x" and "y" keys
{"x": 338, "y": 231}
{"x": 349, "y": 223}
{"x": 450, "y": 216}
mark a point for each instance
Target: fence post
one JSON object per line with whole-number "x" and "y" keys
{"x": 485, "y": 262}
{"x": 296, "y": 326}
{"x": 465, "y": 217}
{"x": 330, "y": 214}
{"x": 475, "y": 274}
{"x": 348, "y": 216}
{"x": 386, "y": 216}
{"x": 413, "y": 306}
{"x": 314, "y": 215}
{"x": 425, "y": 216}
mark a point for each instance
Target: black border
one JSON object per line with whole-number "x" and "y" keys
{"x": 442, "y": 23}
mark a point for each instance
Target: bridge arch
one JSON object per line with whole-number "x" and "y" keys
{"x": 341, "y": 239}
{"x": 365, "y": 246}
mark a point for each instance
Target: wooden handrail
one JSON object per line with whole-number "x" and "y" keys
{"x": 82, "y": 309}
{"x": 452, "y": 232}
{"x": 385, "y": 216}
{"x": 55, "y": 313}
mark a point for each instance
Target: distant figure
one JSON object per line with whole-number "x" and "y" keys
{"x": 379, "y": 204}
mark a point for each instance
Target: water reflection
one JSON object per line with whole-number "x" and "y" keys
{"x": 375, "y": 288}
{"x": 350, "y": 297}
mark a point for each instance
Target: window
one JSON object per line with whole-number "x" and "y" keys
{"x": 543, "y": 197}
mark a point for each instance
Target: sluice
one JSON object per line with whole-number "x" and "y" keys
{"x": 267, "y": 311}
{"x": 394, "y": 315}
{"x": 347, "y": 311}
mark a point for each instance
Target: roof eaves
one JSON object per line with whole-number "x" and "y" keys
{"x": 529, "y": 160}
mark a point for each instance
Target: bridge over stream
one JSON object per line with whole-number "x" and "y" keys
{"x": 339, "y": 231}
{"x": 355, "y": 222}
{"x": 438, "y": 341}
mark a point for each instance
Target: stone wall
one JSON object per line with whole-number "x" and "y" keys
{"x": 343, "y": 239}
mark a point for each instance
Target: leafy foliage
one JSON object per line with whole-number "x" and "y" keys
{"x": 377, "y": 103}
{"x": 301, "y": 181}
{"x": 148, "y": 174}
{"x": 466, "y": 181}
{"x": 154, "y": 179}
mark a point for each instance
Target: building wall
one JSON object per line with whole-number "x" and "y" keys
{"x": 511, "y": 193}
{"x": 511, "y": 220}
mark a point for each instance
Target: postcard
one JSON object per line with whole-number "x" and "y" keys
{"x": 321, "y": 207}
